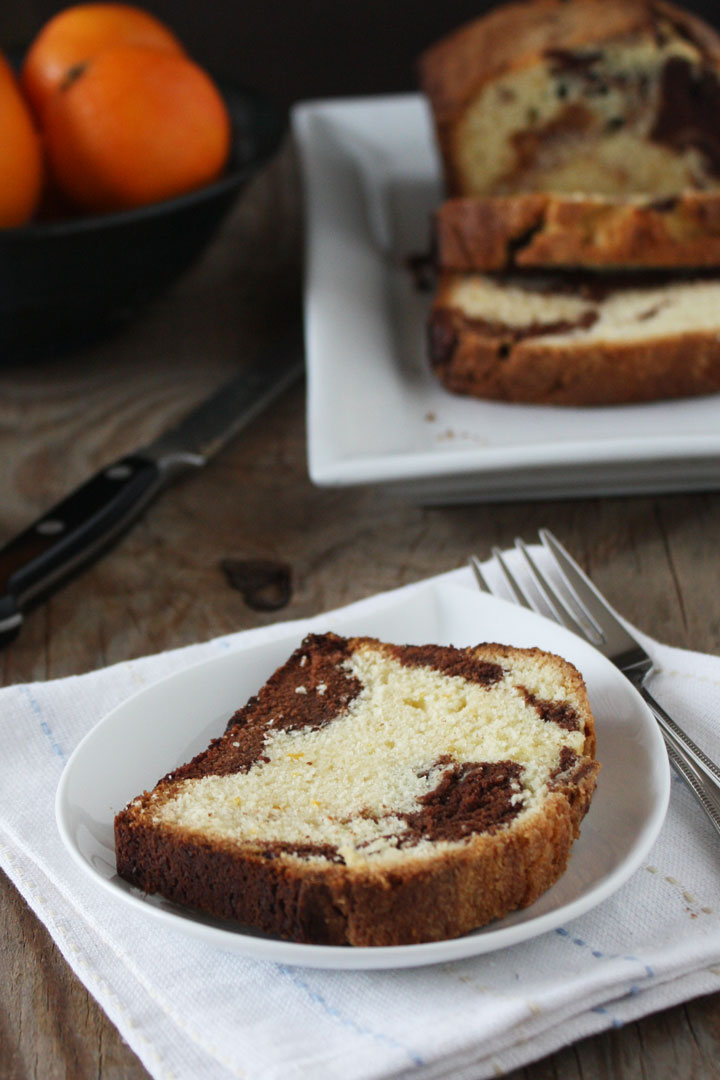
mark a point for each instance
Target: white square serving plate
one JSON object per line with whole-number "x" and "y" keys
{"x": 376, "y": 414}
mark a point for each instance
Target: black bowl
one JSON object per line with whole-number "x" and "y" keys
{"x": 64, "y": 283}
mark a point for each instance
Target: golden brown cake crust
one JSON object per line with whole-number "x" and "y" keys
{"x": 462, "y": 886}
{"x": 515, "y": 35}
{"x": 471, "y": 359}
{"x": 543, "y": 230}
{"x": 459, "y": 891}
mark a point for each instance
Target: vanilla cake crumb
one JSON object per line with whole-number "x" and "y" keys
{"x": 373, "y": 763}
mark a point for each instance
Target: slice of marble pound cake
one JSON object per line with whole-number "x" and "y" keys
{"x": 580, "y": 341}
{"x": 373, "y": 794}
{"x": 578, "y": 231}
{"x": 609, "y": 97}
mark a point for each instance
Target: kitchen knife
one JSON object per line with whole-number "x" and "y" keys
{"x": 84, "y": 523}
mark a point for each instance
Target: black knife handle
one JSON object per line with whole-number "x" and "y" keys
{"x": 73, "y": 533}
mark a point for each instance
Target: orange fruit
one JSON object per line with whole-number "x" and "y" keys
{"x": 21, "y": 160}
{"x": 78, "y": 34}
{"x": 134, "y": 126}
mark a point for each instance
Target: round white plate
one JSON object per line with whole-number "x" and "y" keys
{"x": 170, "y": 721}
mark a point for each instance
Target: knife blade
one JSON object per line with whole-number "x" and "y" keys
{"x": 86, "y": 522}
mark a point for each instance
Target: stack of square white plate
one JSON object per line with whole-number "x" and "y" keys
{"x": 376, "y": 414}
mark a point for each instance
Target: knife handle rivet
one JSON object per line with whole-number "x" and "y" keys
{"x": 50, "y": 527}
{"x": 118, "y": 472}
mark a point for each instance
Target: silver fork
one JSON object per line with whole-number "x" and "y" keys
{"x": 585, "y": 611}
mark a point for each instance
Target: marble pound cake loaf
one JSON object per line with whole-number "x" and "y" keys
{"x": 593, "y": 341}
{"x": 604, "y": 97}
{"x": 373, "y": 794}
{"x": 537, "y": 231}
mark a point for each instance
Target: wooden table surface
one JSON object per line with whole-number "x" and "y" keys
{"x": 163, "y": 586}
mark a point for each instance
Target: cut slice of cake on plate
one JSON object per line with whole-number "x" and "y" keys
{"x": 575, "y": 341}
{"x": 537, "y": 231}
{"x": 374, "y": 794}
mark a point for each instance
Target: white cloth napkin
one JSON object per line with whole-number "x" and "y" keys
{"x": 190, "y": 1011}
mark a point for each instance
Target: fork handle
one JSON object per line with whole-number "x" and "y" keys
{"x": 698, "y": 757}
{"x": 694, "y": 781}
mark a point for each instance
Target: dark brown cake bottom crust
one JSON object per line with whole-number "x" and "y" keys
{"x": 432, "y": 899}
{"x": 471, "y": 359}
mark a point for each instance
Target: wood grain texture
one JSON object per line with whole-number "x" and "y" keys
{"x": 163, "y": 585}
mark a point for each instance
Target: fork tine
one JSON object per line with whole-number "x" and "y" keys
{"x": 558, "y": 604}
{"x": 589, "y": 599}
{"x": 518, "y": 593}
{"x": 618, "y": 645}
{"x": 479, "y": 576}
{"x": 552, "y": 598}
